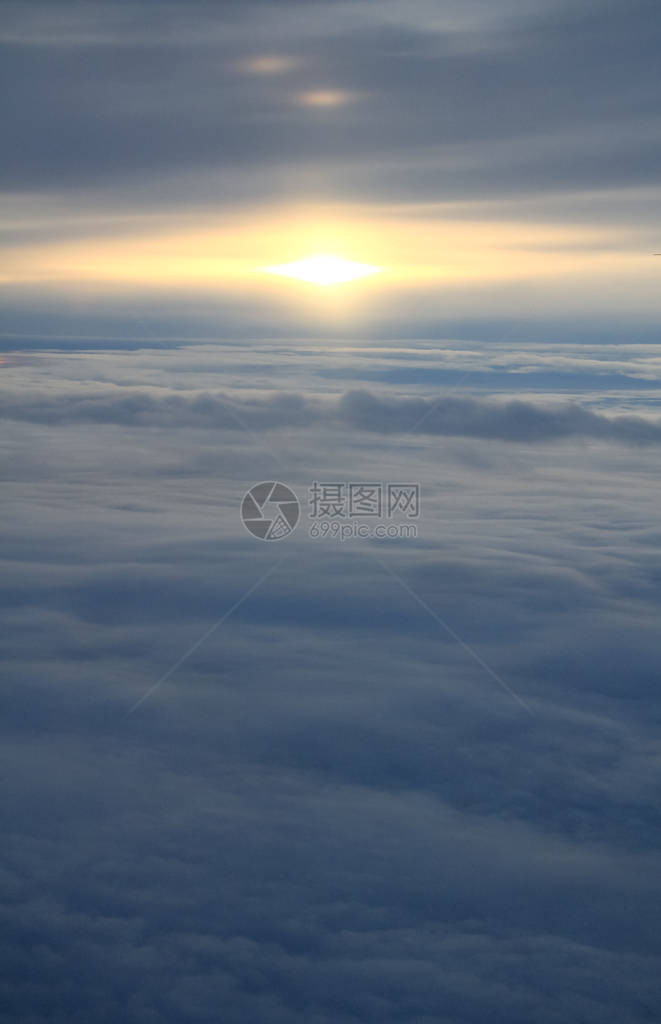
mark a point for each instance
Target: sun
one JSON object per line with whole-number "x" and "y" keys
{"x": 324, "y": 269}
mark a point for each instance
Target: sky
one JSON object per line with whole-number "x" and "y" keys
{"x": 406, "y": 776}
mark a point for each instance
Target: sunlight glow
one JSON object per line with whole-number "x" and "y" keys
{"x": 324, "y": 270}
{"x": 436, "y": 250}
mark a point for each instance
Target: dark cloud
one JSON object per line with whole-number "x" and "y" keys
{"x": 533, "y": 101}
{"x": 508, "y": 421}
{"x": 517, "y": 421}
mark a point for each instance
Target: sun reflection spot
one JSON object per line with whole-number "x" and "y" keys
{"x": 325, "y": 98}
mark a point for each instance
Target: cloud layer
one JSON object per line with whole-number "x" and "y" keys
{"x": 517, "y": 421}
